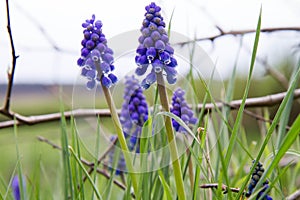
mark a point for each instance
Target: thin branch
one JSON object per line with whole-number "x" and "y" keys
{"x": 279, "y": 77}
{"x": 42, "y": 139}
{"x": 44, "y": 33}
{"x": 85, "y": 162}
{"x": 294, "y": 196}
{"x": 238, "y": 32}
{"x": 265, "y": 101}
{"x": 6, "y": 108}
{"x": 100, "y": 159}
{"x": 258, "y": 117}
{"x": 224, "y": 188}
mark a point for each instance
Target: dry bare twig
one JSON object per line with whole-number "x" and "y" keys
{"x": 87, "y": 163}
{"x": 224, "y": 188}
{"x": 264, "y": 101}
{"x": 294, "y": 196}
{"x": 6, "y": 108}
{"x": 238, "y": 32}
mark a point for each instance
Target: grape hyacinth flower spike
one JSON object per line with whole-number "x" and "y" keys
{"x": 154, "y": 49}
{"x": 181, "y": 109}
{"x": 256, "y": 175}
{"x": 96, "y": 52}
{"x": 16, "y": 187}
{"x": 96, "y": 64}
{"x": 134, "y": 112}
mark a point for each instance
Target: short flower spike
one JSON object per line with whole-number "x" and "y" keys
{"x": 154, "y": 48}
{"x": 181, "y": 109}
{"x": 95, "y": 51}
{"x": 258, "y": 172}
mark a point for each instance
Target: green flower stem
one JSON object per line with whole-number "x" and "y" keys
{"x": 121, "y": 138}
{"x": 172, "y": 144}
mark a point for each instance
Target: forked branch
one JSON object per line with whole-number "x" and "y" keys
{"x": 6, "y": 108}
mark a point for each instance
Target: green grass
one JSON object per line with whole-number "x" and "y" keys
{"x": 43, "y": 168}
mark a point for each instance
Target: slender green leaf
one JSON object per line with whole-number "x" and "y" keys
{"x": 238, "y": 119}
{"x": 179, "y": 120}
{"x": 19, "y": 166}
{"x": 271, "y": 130}
{"x": 66, "y": 159}
{"x": 170, "y": 23}
{"x": 85, "y": 172}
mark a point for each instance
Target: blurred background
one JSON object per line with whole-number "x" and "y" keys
{"x": 47, "y": 34}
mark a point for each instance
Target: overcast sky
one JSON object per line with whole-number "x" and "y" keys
{"x": 37, "y": 25}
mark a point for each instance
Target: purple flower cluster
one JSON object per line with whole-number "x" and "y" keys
{"x": 154, "y": 48}
{"x": 256, "y": 175}
{"x": 181, "y": 109}
{"x": 134, "y": 112}
{"x": 96, "y": 58}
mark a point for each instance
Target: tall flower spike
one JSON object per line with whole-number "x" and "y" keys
{"x": 95, "y": 51}
{"x": 258, "y": 172}
{"x": 154, "y": 48}
{"x": 134, "y": 112}
{"x": 181, "y": 109}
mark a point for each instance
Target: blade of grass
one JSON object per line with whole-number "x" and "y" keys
{"x": 170, "y": 23}
{"x": 288, "y": 140}
{"x": 128, "y": 191}
{"x": 76, "y": 174}
{"x": 35, "y": 191}
{"x": 144, "y": 147}
{"x": 167, "y": 190}
{"x": 197, "y": 178}
{"x": 238, "y": 119}
{"x": 68, "y": 185}
{"x": 85, "y": 172}
{"x": 167, "y": 193}
{"x": 19, "y": 166}
{"x": 97, "y": 149}
{"x": 284, "y": 120}
{"x": 117, "y": 152}
{"x": 179, "y": 120}
{"x": 271, "y": 130}
{"x": 10, "y": 181}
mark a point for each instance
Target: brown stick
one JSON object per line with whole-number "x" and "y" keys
{"x": 100, "y": 159}
{"x": 6, "y": 107}
{"x": 294, "y": 196}
{"x": 265, "y": 101}
{"x": 89, "y": 164}
{"x": 224, "y": 188}
{"x": 239, "y": 32}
